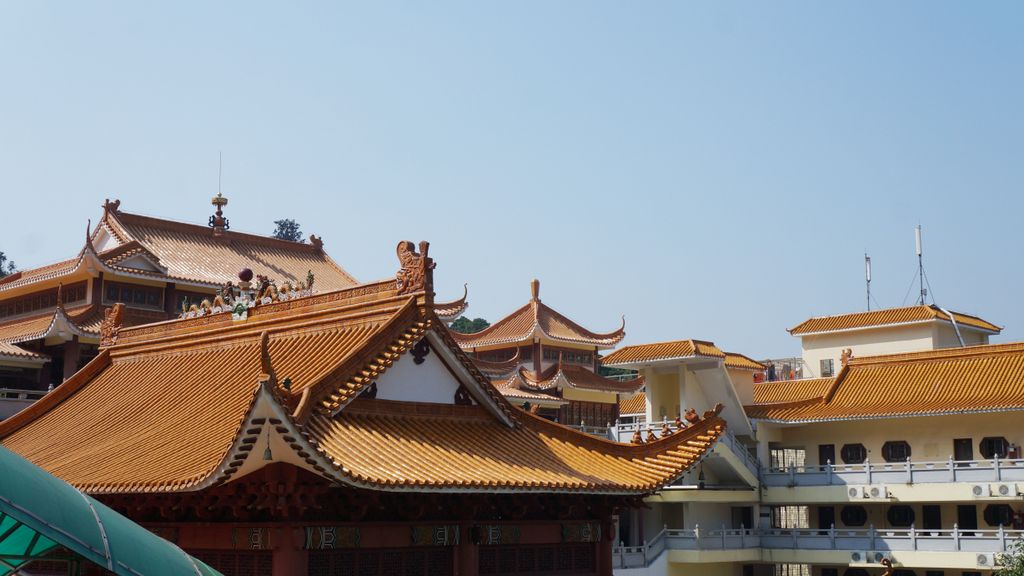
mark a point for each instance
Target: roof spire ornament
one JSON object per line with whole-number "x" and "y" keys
{"x": 535, "y": 290}
{"x": 218, "y": 222}
{"x": 417, "y": 269}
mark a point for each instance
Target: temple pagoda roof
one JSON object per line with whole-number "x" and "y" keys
{"x": 974, "y": 379}
{"x": 565, "y": 375}
{"x": 152, "y": 248}
{"x": 538, "y": 320}
{"x": 639, "y": 354}
{"x": 186, "y": 404}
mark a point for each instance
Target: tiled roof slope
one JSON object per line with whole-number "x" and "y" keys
{"x": 641, "y": 353}
{"x": 192, "y": 252}
{"x": 84, "y": 320}
{"x": 537, "y": 318}
{"x": 636, "y": 404}
{"x": 12, "y": 351}
{"x": 949, "y": 381}
{"x": 887, "y": 317}
{"x": 467, "y": 449}
{"x": 741, "y": 362}
{"x": 179, "y": 405}
{"x": 573, "y": 376}
{"x": 791, "y": 390}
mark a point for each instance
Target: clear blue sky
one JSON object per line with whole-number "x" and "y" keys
{"x": 711, "y": 170}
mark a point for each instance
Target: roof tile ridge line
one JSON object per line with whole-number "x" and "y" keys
{"x": 187, "y": 331}
{"x": 814, "y": 401}
{"x": 456, "y": 302}
{"x": 388, "y": 332}
{"x": 110, "y": 219}
{"x": 58, "y": 395}
{"x": 834, "y": 387}
{"x": 619, "y": 449}
{"x": 240, "y": 333}
{"x": 199, "y": 228}
{"x": 617, "y": 334}
{"x": 975, "y": 351}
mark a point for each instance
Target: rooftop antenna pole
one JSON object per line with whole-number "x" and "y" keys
{"x": 220, "y": 168}
{"x": 867, "y": 277}
{"x": 920, "y": 264}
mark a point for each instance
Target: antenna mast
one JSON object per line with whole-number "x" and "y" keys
{"x": 920, "y": 264}
{"x": 867, "y": 277}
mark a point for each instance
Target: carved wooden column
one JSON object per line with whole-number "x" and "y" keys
{"x": 467, "y": 553}
{"x": 72, "y": 354}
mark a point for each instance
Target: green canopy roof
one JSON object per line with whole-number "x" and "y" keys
{"x": 39, "y": 512}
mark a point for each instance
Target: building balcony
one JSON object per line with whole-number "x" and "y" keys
{"x": 970, "y": 550}
{"x": 13, "y": 401}
{"x": 941, "y": 481}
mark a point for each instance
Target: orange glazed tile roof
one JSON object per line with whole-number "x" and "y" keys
{"x": 463, "y": 448}
{"x": 636, "y": 404}
{"x": 661, "y": 351}
{"x": 888, "y": 317}
{"x": 189, "y": 254}
{"x": 536, "y": 319}
{"x": 449, "y": 311}
{"x": 790, "y": 390}
{"x": 736, "y": 360}
{"x": 974, "y": 379}
{"x": 510, "y": 388}
{"x": 16, "y": 353}
{"x": 563, "y": 375}
{"x": 186, "y": 404}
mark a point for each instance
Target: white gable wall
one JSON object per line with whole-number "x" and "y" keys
{"x": 410, "y": 382}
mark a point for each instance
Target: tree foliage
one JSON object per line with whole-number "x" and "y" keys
{"x": 287, "y": 229}
{"x": 6, "y": 266}
{"x": 1013, "y": 560}
{"x": 467, "y": 326}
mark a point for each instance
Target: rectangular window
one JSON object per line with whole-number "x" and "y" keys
{"x": 786, "y": 458}
{"x": 827, "y": 368}
{"x": 42, "y": 300}
{"x": 133, "y": 294}
{"x": 792, "y": 570}
{"x": 790, "y": 517}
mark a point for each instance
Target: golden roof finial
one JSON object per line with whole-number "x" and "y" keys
{"x": 218, "y": 222}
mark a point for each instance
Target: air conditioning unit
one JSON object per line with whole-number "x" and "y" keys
{"x": 981, "y": 491}
{"x": 877, "y": 556}
{"x": 1003, "y": 490}
{"x": 857, "y": 492}
{"x": 877, "y": 492}
{"x": 858, "y": 557}
{"x": 987, "y": 560}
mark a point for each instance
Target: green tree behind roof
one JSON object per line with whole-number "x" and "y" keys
{"x": 6, "y": 266}
{"x": 467, "y": 326}
{"x": 287, "y": 229}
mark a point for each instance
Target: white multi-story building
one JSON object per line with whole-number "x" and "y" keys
{"x": 910, "y": 452}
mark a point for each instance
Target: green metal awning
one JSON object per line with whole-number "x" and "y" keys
{"x": 39, "y": 512}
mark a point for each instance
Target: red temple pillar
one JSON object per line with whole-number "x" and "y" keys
{"x": 72, "y": 354}
{"x": 467, "y": 554}
{"x": 604, "y": 556}
{"x": 537, "y": 360}
{"x": 289, "y": 557}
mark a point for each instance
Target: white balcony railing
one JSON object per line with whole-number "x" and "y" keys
{"x": 13, "y": 400}
{"x": 870, "y": 540}
{"x": 909, "y": 472}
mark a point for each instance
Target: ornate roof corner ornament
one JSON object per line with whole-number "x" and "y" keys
{"x": 416, "y": 273}
{"x": 265, "y": 365}
{"x": 110, "y": 206}
{"x": 218, "y": 222}
{"x": 316, "y": 242}
{"x": 844, "y": 358}
{"x": 60, "y": 296}
{"x": 535, "y": 290}
{"x": 113, "y": 317}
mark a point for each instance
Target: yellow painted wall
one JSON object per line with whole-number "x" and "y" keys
{"x": 869, "y": 342}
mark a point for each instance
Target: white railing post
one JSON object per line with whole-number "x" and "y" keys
{"x": 871, "y": 535}
{"x": 792, "y": 475}
{"x": 743, "y": 536}
{"x": 910, "y": 471}
{"x": 995, "y": 466}
{"x": 956, "y": 536}
{"x": 867, "y": 469}
{"x": 1002, "y": 539}
{"x": 913, "y": 537}
{"x": 794, "y": 531}
{"x": 723, "y": 536}
{"x": 832, "y": 535}
{"x": 952, "y": 469}
{"x": 828, "y": 469}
